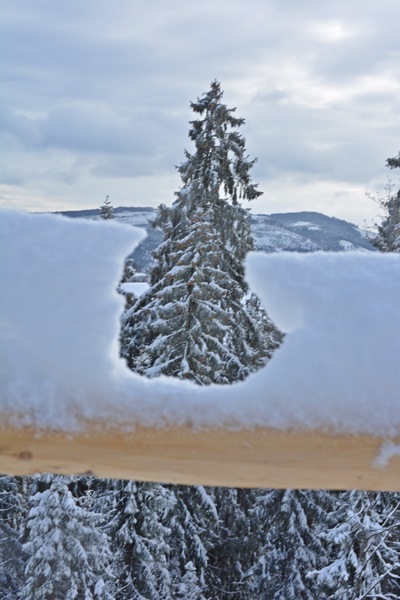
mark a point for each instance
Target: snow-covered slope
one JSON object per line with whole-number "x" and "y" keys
{"x": 328, "y": 233}
{"x": 271, "y": 236}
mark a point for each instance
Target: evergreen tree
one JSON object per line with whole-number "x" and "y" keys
{"x": 388, "y": 237}
{"x": 394, "y": 162}
{"x": 129, "y": 273}
{"x": 189, "y": 588}
{"x": 270, "y": 336}
{"x": 141, "y": 539}
{"x": 236, "y": 546}
{"x": 193, "y": 534}
{"x": 288, "y": 524}
{"x": 68, "y": 556}
{"x": 12, "y": 557}
{"x": 364, "y": 545}
{"x": 193, "y": 321}
{"x": 106, "y": 210}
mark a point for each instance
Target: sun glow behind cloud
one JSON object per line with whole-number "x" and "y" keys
{"x": 331, "y": 31}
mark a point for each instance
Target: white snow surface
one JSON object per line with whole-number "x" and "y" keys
{"x": 387, "y": 451}
{"x": 134, "y": 287}
{"x": 338, "y": 368}
{"x": 346, "y": 245}
{"x": 306, "y": 224}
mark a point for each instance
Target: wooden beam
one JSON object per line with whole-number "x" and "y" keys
{"x": 245, "y": 458}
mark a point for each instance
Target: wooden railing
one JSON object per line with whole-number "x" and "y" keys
{"x": 244, "y": 458}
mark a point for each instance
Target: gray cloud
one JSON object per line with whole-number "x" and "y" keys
{"x": 99, "y": 91}
{"x": 337, "y": 144}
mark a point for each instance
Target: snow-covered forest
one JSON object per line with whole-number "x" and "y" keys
{"x": 82, "y": 537}
{"x": 89, "y": 538}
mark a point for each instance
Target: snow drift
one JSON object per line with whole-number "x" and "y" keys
{"x": 338, "y": 368}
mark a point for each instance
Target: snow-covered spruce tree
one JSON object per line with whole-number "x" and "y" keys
{"x": 12, "y": 557}
{"x": 189, "y": 588}
{"x": 68, "y": 556}
{"x": 193, "y": 527}
{"x": 236, "y": 545}
{"x": 364, "y": 548}
{"x": 141, "y": 540}
{"x": 161, "y": 538}
{"x": 193, "y": 322}
{"x": 129, "y": 273}
{"x": 288, "y": 525}
{"x": 106, "y": 210}
{"x": 388, "y": 237}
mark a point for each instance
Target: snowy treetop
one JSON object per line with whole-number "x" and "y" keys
{"x": 337, "y": 369}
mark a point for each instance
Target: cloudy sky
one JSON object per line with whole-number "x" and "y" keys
{"x": 96, "y": 98}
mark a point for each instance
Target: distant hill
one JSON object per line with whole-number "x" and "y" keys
{"x": 292, "y": 232}
{"x": 306, "y": 232}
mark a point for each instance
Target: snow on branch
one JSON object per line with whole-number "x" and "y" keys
{"x": 338, "y": 368}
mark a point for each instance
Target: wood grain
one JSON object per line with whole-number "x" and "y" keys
{"x": 245, "y": 458}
